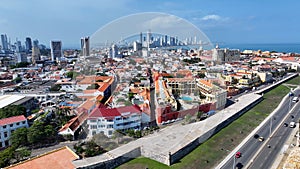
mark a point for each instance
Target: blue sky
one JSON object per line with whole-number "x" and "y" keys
{"x": 223, "y": 21}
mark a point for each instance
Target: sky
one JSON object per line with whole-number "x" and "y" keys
{"x": 223, "y": 21}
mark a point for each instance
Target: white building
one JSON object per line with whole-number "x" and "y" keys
{"x": 8, "y": 125}
{"x": 106, "y": 121}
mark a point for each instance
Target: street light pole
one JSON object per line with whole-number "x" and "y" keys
{"x": 271, "y": 122}
{"x": 233, "y": 162}
{"x": 270, "y": 127}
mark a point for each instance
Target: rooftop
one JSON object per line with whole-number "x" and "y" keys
{"x": 11, "y": 120}
{"x": 59, "y": 159}
{"x": 6, "y": 100}
{"x": 105, "y": 112}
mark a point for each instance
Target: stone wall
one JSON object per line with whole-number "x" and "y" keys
{"x": 114, "y": 162}
{"x": 201, "y": 139}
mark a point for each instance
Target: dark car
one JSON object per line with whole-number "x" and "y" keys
{"x": 239, "y": 166}
{"x": 285, "y": 124}
{"x": 256, "y": 136}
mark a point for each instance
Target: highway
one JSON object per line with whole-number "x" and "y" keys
{"x": 252, "y": 146}
{"x": 266, "y": 156}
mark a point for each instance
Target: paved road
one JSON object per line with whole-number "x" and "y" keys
{"x": 267, "y": 155}
{"x": 250, "y": 148}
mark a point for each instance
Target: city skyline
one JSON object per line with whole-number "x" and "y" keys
{"x": 223, "y": 22}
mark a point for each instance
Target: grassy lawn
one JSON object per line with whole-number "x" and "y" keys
{"x": 295, "y": 81}
{"x": 215, "y": 149}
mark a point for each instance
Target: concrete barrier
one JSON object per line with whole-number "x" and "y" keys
{"x": 114, "y": 161}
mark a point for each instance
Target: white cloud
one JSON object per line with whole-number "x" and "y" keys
{"x": 164, "y": 22}
{"x": 211, "y": 17}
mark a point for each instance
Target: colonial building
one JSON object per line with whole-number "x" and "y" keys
{"x": 106, "y": 121}
{"x": 225, "y": 55}
{"x": 8, "y": 125}
{"x": 212, "y": 93}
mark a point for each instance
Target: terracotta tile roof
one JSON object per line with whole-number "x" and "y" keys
{"x": 111, "y": 113}
{"x": 205, "y": 82}
{"x": 11, "y": 120}
{"x": 103, "y": 87}
{"x": 89, "y": 91}
{"x": 59, "y": 159}
{"x": 88, "y": 104}
{"x": 75, "y": 122}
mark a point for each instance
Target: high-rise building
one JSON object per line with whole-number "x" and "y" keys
{"x": 56, "y": 50}
{"x": 4, "y": 42}
{"x": 36, "y": 54}
{"x": 18, "y": 46}
{"x": 114, "y": 51}
{"x": 21, "y": 57}
{"x": 36, "y": 43}
{"x": 85, "y": 46}
{"x": 28, "y": 44}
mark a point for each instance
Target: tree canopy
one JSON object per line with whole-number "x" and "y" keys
{"x": 12, "y": 110}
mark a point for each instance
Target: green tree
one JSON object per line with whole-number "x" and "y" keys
{"x": 199, "y": 114}
{"x": 201, "y": 75}
{"x": 93, "y": 86}
{"x": 17, "y": 79}
{"x": 39, "y": 132}
{"x": 19, "y": 137}
{"x": 21, "y": 153}
{"x": 55, "y": 88}
{"x": 72, "y": 74}
{"x": 12, "y": 110}
{"x": 6, "y": 155}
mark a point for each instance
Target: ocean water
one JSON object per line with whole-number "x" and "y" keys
{"x": 285, "y": 47}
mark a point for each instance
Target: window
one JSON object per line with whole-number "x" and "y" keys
{"x": 110, "y": 132}
{"x": 18, "y": 123}
{"x": 110, "y": 126}
{"x": 93, "y": 132}
{"x": 23, "y": 122}
{"x": 5, "y": 134}
{"x": 4, "y": 126}
{"x": 93, "y": 121}
{"x": 93, "y": 126}
{"x": 101, "y": 126}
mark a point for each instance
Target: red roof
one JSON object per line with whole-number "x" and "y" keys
{"x": 75, "y": 122}
{"x": 11, "y": 120}
{"x": 111, "y": 113}
{"x": 59, "y": 159}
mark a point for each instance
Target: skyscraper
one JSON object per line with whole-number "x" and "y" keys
{"x": 18, "y": 46}
{"x": 4, "y": 42}
{"x": 36, "y": 54}
{"x": 85, "y": 46}
{"x": 36, "y": 43}
{"x": 56, "y": 50}
{"x": 28, "y": 44}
